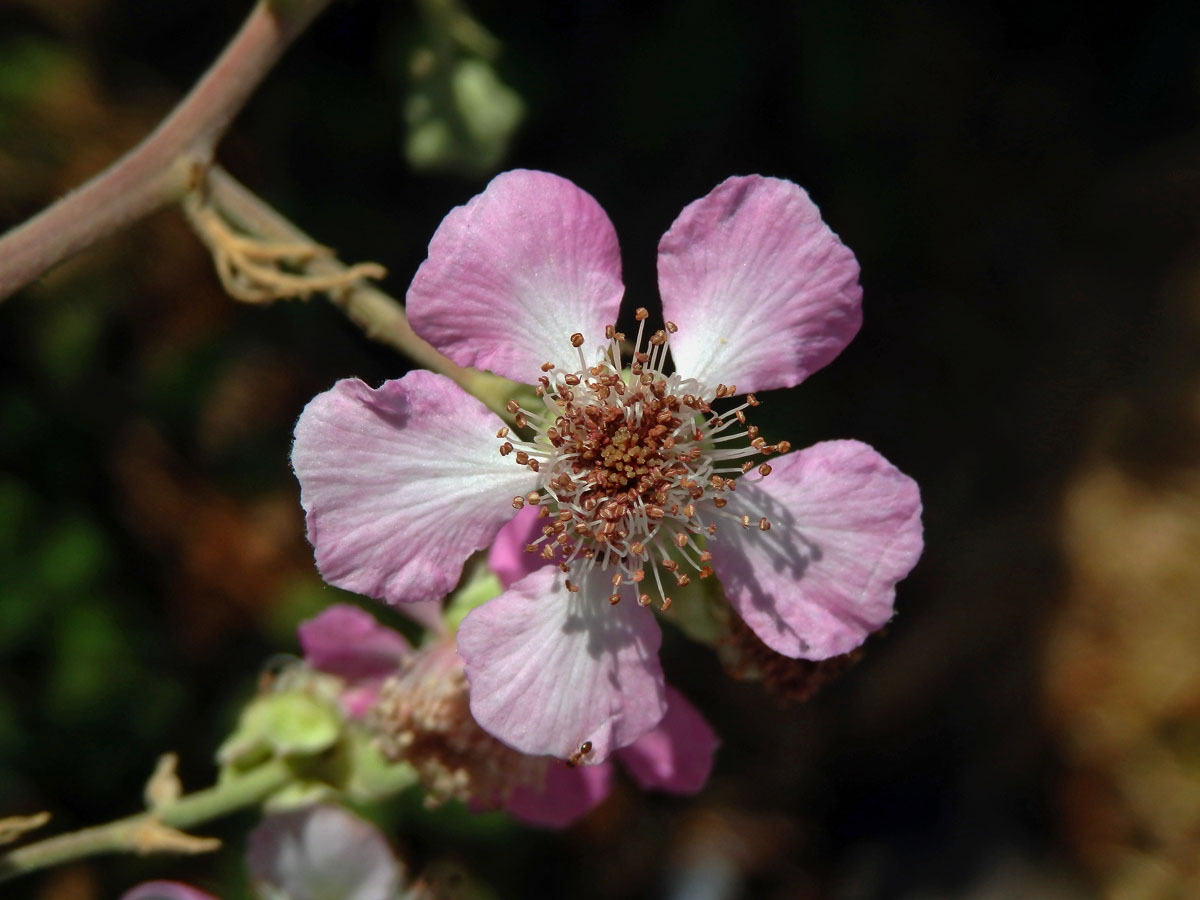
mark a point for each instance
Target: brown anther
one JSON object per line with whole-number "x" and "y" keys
{"x": 712, "y": 529}
{"x": 783, "y": 446}
{"x": 758, "y": 443}
{"x": 705, "y": 571}
{"x": 719, "y": 502}
{"x": 747, "y": 466}
{"x": 740, "y": 415}
{"x": 522, "y": 457}
{"x": 614, "y": 599}
{"x": 512, "y": 406}
{"x": 518, "y": 502}
{"x": 681, "y": 539}
{"x": 655, "y": 512}
{"x": 672, "y": 327}
{"x": 670, "y": 565}
{"x": 577, "y": 339}
{"x": 731, "y": 390}
{"x": 638, "y": 548}
{"x": 547, "y": 366}
{"x": 764, "y": 469}
{"x": 745, "y": 521}
{"x": 641, "y": 314}
{"x": 520, "y": 421}
{"x": 534, "y": 465}
{"x": 764, "y": 525}
{"x": 752, "y": 400}
{"x": 572, "y": 380}
{"x": 666, "y": 604}
{"x": 531, "y": 548}
{"x": 658, "y": 338}
{"x": 572, "y": 587}
{"x": 682, "y": 580}
{"x": 610, "y": 332}
{"x": 506, "y": 448}
{"x": 617, "y": 579}
{"x": 547, "y": 552}
{"x": 705, "y": 556}
{"x": 752, "y": 431}
{"x": 638, "y": 576}
{"x": 532, "y": 498}
{"x": 543, "y": 512}
{"x": 643, "y": 599}
{"x": 503, "y": 432}
{"x": 721, "y": 391}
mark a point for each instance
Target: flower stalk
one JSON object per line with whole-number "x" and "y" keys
{"x": 155, "y": 830}
{"x": 167, "y": 164}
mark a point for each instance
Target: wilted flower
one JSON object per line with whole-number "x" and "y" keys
{"x": 422, "y": 716}
{"x": 632, "y": 471}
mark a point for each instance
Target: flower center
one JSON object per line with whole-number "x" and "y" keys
{"x": 634, "y": 465}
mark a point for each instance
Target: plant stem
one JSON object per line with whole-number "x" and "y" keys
{"x": 128, "y": 834}
{"x": 378, "y": 314}
{"x": 163, "y": 166}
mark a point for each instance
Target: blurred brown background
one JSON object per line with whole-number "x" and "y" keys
{"x": 1021, "y": 183}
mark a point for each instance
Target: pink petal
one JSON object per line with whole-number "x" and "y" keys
{"x": 764, "y": 294}
{"x": 347, "y": 641}
{"x": 402, "y": 483}
{"x": 165, "y": 890}
{"x": 515, "y": 272}
{"x": 552, "y": 670}
{"x": 508, "y": 558}
{"x": 845, "y": 527}
{"x": 566, "y": 795}
{"x": 677, "y": 755}
{"x": 322, "y": 852}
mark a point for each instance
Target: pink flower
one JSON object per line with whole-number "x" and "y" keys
{"x": 316, "y": 853}
{"x": 422, "y": 715}
{"x": 632, "y": 474}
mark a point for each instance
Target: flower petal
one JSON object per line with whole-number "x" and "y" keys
{"x": 323, "y": 853}
{"x": 165, "y": 890}
{"x": 508, "y": 558}
{"x": 347, "y": 641}
{"x": 515, "y": 272}
{"x": 845, "y": 526}
{"x": 567, "y": 793}
{"x": 552, "y": 670}
{"x": 677, "y": 755}
{"x": 764, "y": 294}
{"x": 401, "y": 484}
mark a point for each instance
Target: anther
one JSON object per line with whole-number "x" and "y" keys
{"x": 747, "y": 466}
{"x": 506, "y": 448}
{"x": 672, "y": 327}
{"x": 503, "y": 432}
{"x": 639, "y": 576}
{"x": 666, "y": 604}
{"x": 547, "y": 366}
{"x": 577, "y": 339}
{"x": 518, "y": 502}
{"x": 763, "y": 524}
{"x": 532, "y": 498}
{"x": 641, "y": 314}
{"x": 643, "y": 599}
{"x": 745, "y": 521}
{"x": 783, "y": 446}
{"x": 682, "y": 580}
{"x": 764, "y": 469}
{"x": 752, "y": 400}
{"x": 681, "y": 539}
{"x": 614, "y": 599}
{"x": 512, "y": 406}
{"x": 520, "y": 421}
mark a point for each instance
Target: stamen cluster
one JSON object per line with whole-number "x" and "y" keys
{"x": 423, "y": 717}
{"x": 629, "y": 462}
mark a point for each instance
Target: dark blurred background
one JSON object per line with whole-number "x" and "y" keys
{"x": 1021, "y": 184}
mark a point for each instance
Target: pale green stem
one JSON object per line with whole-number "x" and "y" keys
{"x": 127, "y": 835}
{"x": 164, "y": 166}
